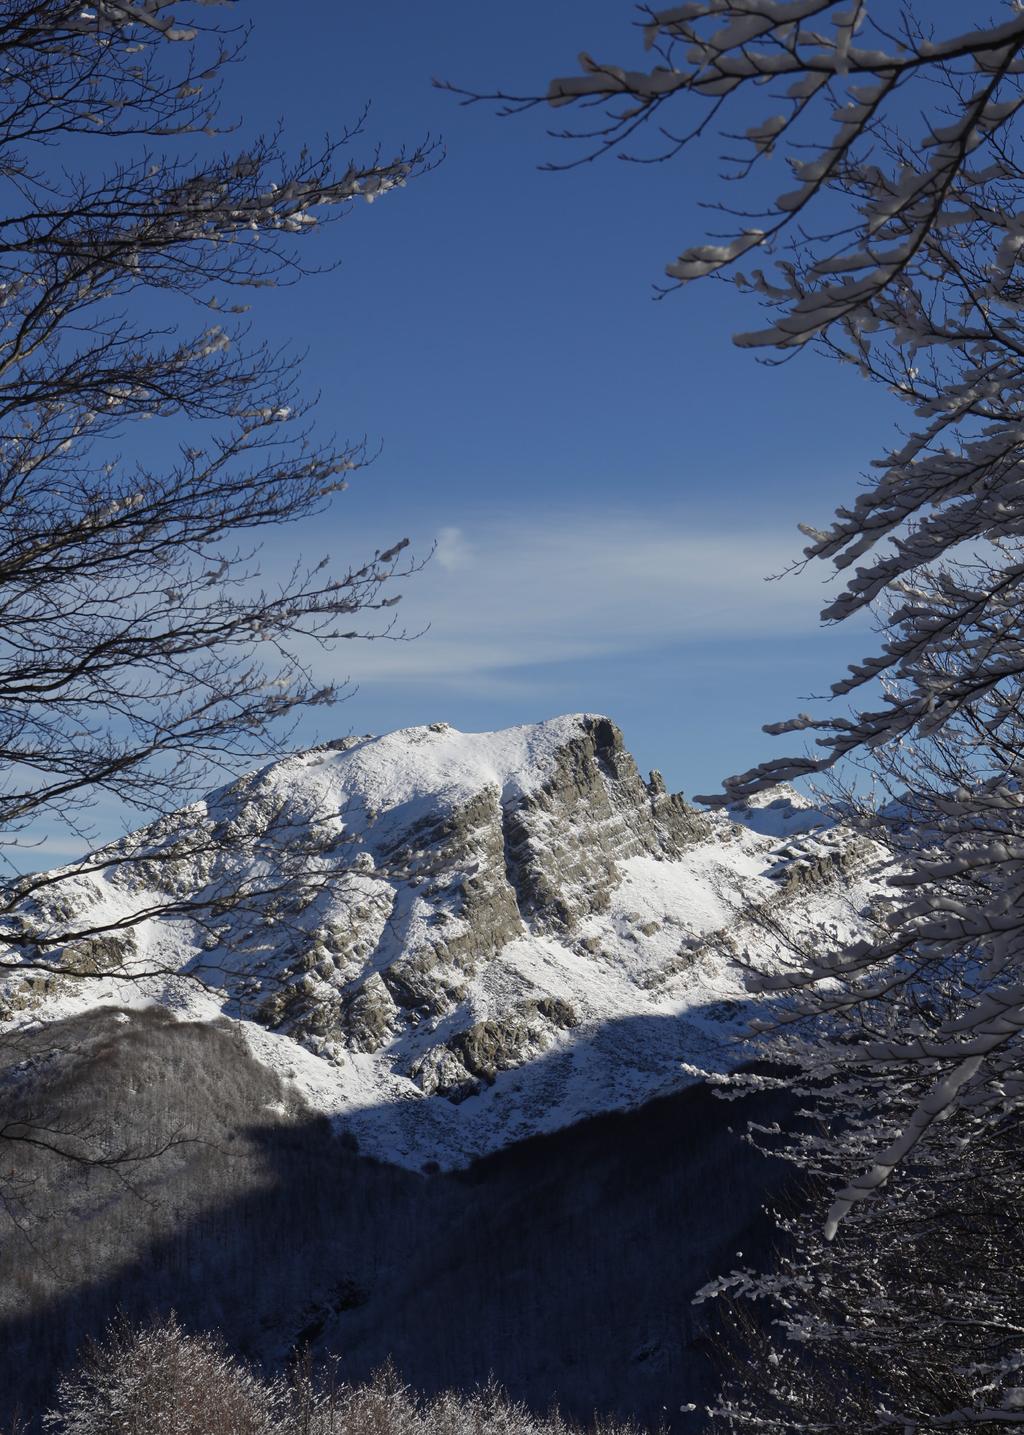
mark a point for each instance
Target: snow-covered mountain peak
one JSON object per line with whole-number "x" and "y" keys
{"x": 779, "y": 811}
{"x": 398, "y": 778}
{"x": 437, "y": 763}
{"x": 448, "y": 940}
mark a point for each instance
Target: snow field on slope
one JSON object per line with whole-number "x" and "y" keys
{"x": 426, "y": 767}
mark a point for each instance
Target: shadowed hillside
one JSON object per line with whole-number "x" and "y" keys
{"x": 564, "y": 1265}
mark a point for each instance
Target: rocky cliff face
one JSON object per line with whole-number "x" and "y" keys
{"x": 463, "y": 882}
{"x": 447, "y": 941}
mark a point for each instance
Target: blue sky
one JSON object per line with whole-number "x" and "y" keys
{"x": 608, "y": 480}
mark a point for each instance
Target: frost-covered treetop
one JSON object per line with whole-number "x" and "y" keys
{"x": 876, "y": 212}
{"x": 876, "y": 180}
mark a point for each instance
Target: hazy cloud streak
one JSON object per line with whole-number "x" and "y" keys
{"x": 501, "y": 594}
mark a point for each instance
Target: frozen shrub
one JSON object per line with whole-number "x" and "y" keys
{"x": 160, "y": 1380}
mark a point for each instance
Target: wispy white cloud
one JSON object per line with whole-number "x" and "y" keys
{"x": 453, "y": 551}
{"x": 505, "y": 593}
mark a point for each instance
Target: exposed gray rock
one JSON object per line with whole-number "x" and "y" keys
{"x": 371, "y": 1016}
{"x": 92, "y": 955}
{"x": 596, "y": 788}
{"x": 504, "y": 1042}
{"x": 477, "y": 1054}
{"x": 814, "y": 863}
{"x": 439, "y": 1072}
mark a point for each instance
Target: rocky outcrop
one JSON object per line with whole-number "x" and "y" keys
{"x": 492, "y": 1046}
{"x": 476, "y": 1055}
{"x": 455, "y": 864}
{"x": 595, "y": 792}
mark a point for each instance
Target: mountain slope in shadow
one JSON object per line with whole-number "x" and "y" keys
{"x": 565, "y": 1265}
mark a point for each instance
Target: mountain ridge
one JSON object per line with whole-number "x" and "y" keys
{"x": 437, "y": 933}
